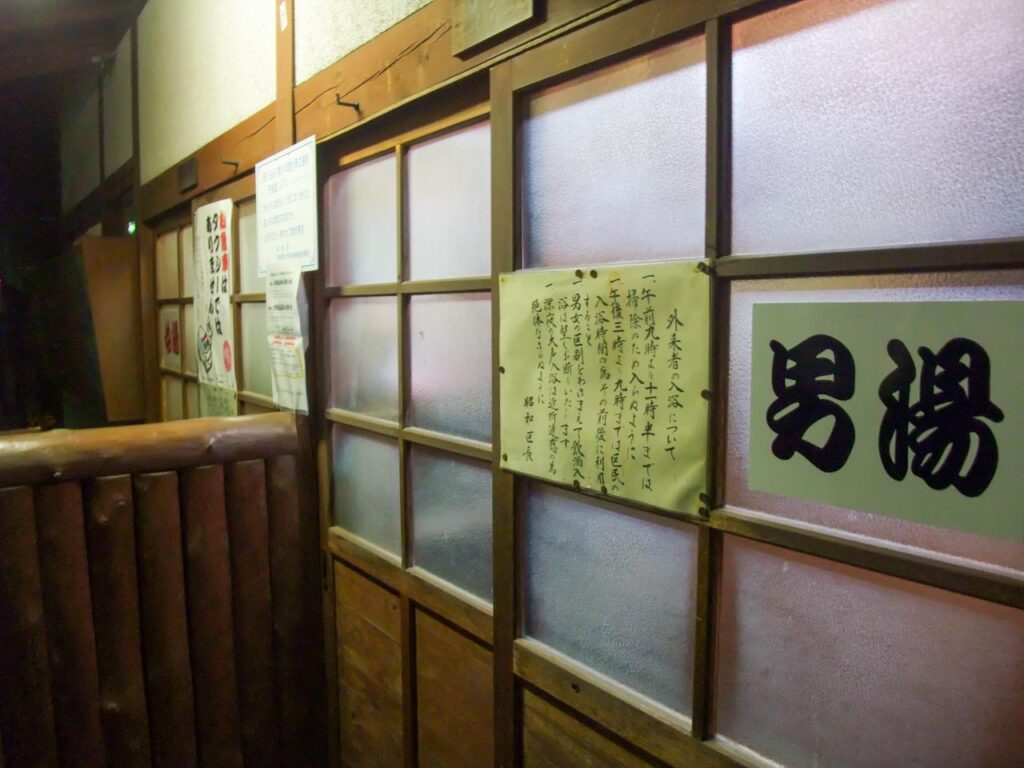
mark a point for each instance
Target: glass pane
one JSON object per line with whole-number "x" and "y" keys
{"x": 366, "y": 487}
{"x": 172, "y": 405}
{"x": 824, "y": 664}
{"x": 451, "y": 363}
{"x": 167, "y": 265}
{"x": 947, "y": 286}
{"x": 613, "y": 591}
{"x": 170, "y": 338}
{"x": 188, "y": 265}
{"x": 362, "y": 220}
{"x": 188, "y": 339}
{"x": 255, "y": 350}
{"x": 870, "y": 122}
{"x": 364, "y": 355}
{"x": 451, "y": 508}
{"x": 449, "y": 205}
{"x": 192, "y": 399}
{"x": 613, "y": 163}
{"x": 248, "y": 265}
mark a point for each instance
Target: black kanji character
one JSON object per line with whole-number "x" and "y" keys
{"x": 803, "y": 377}
{"x": 944, "y": 431}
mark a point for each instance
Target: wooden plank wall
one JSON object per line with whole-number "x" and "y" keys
{"x": 160, "y": 618}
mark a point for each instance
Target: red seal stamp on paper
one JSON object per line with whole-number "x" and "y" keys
{"x": 227, "y": 356}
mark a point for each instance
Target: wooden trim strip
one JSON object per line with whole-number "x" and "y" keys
{"x": 364, "y": 422}
{"x": 473, "y": 449}
{"x": 505, "y": 552}
{"x": 738, "y": 754}
{"x": 374, "y": 289}
{"x": 467, "y": 612}
{"x": 284, "y": 104}
{"x": 988, "y": 583}
{"x": 452, "y": 285}
{"x": 255, "y": 398}
{"x": 709, "y": 570}
{"x": 249, "y": 298}
{"x": 459, "y": 119}
{"x": 978, "y": 254}
{"x": 86, "y": 453}
{"x": 411, "y": 287}
{"x": 638, "y": 720}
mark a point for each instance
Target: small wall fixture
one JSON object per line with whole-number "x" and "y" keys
{"x": 340, "y": 103}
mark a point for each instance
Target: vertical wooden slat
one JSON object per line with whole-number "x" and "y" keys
{"x": 164, "y": 621}
{"x": 64, "y": 574}
{"x": 284, "y": 104}
{"x": 245, "y": 486}
{"x": 110, "y": 533}
{"x": 503, "y": 250}
{"x": 210, "y": 625}
{"x": 718, "y": 237}
{"x": 26, "y": 710}
{"x": 295, "y": 583}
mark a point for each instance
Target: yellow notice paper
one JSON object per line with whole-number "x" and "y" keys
{"x": 603, "y": 382}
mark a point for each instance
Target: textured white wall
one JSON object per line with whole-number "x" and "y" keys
{"x": 204, "y": 66}
{"x": 325, "y": 30}
{"x": 80, "y": 142}
{"x": 117, "y": 108}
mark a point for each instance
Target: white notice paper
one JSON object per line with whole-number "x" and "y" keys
{"x": 286, "y": 215}
{"x": 285, "y": 310}
{"x": 215, "y": 327}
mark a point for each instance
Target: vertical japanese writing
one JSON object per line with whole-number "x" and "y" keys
{"x": 674, "y": 390}
{"x": 553, "y": 383}
{"x": 601, "y": 377}
{"x": 213, "y": 312}
{"x": 650, "y": 352}
{"x": 619, "y": 389}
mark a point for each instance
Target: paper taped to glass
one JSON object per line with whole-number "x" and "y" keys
{"x": 604, "y": 378}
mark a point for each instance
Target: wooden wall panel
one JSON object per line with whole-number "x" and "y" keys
{"x": 64, "y": 573}
{"x": 211, "y": 629}
{"x": 553, "y": 738}
{"x": 26, "y": 711}
{"x": 164, "y": 621}
{"x": 454, "y": 697}
{"x": 246, "y": 494}
{"x": 298, "y": 632}
{"x": 110, "y": 530}
{"x": 369, "y": 672}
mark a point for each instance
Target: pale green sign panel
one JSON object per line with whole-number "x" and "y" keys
{"x": 217, "y": 401}
{"x": 913, "y": 410}
{"x": 604, "y": 376}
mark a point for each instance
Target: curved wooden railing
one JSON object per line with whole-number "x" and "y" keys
{"x": 160, "y": 597}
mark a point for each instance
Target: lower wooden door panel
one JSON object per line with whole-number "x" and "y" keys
{"x": 554, "y": 738}
{"x": 454, "y": 700}
{"x": 369, "y": 672}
